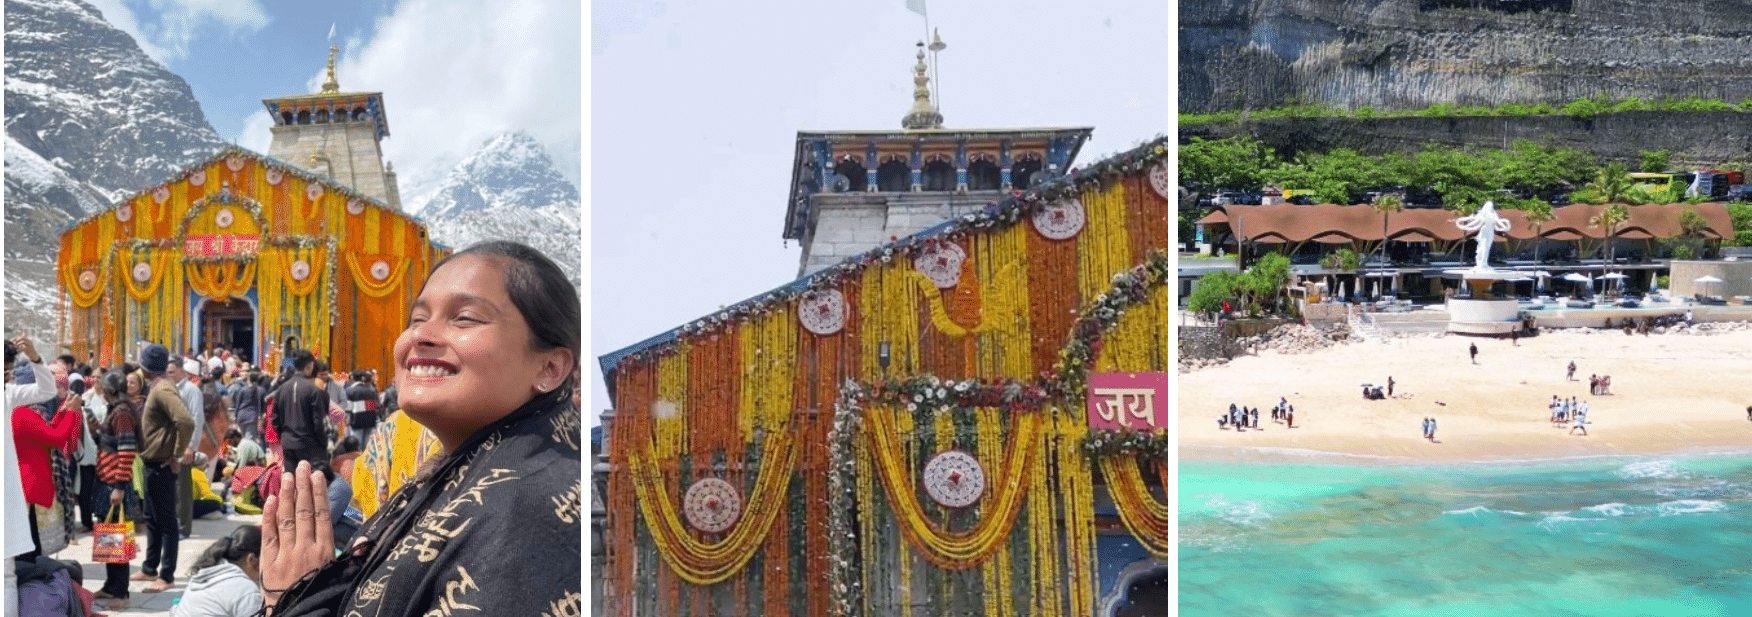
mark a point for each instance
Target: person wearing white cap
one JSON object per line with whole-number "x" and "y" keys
{"x": 183, "y": 374}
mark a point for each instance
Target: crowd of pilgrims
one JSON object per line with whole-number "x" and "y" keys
{"x": 98, "y": 449}
{"x": 1243, "y": 418}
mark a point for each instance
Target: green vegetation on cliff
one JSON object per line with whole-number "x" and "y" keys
{"x": 1579, "y": 109}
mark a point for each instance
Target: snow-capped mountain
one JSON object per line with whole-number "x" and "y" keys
{"x": 90, "y": 118}
{"x": 509, "y": 190}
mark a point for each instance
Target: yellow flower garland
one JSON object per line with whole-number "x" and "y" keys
{"x": 369, "y": 285}
{"x": 703, "y": 563}
{"x": 1077, "y": 489}
{"x": 1146, "y": 517}
{"x": 1103, "y": 247}
{"x": 315, "y": 257}
{"x": 159, "y": 261}
{"x": 953, "y": 550}
{"x": 671, "y": 439}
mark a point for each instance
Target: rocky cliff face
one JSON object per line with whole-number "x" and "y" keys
{"x": 1397, "y": 54}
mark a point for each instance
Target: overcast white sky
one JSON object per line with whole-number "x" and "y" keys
{"x": 454, "y": 73}
{"x": 695, "y": 108}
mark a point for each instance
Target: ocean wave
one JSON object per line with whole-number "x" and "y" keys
{"x": 1554, "y": 520}
{"x": 1481, "y": 511}
{"x": 1248, "y": 513}
{"x": 1608, "y": 509}
{"x": 1656, "y": 469}
{"x": 1690, "y": 506}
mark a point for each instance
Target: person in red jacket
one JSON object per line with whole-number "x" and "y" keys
{"x": 35, "y": 439}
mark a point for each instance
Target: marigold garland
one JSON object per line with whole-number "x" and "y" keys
{"x": 1139, "y": 510}
{"x": 708, "y": 563}
{"x": 948, "y": 549}
{"x": 369, "y": 285}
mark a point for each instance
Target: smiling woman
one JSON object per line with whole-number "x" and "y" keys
{"x": 486, "y": 363}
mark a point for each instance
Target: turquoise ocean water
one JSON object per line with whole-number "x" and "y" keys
{"x": 1668, "y": 536}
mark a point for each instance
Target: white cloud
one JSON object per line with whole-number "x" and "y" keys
{"x": 257, "y": 132}
{"x": 177, "y": 23}
{"x": 454, "y": 73}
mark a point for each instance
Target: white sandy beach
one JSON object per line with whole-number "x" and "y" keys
{"x": 1671, "y": 393}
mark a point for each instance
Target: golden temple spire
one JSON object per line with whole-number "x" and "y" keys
{"x": 924, "y": 114}
{"x": 330, "y": 86}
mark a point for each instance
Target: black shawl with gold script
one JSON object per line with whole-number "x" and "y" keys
{"x": 495, "y": 530}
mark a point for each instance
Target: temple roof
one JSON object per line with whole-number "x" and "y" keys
{"x": 1334, "y": 224}
{"x": 1131, "y": 161}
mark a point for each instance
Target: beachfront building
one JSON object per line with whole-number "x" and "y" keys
{"x": 1422, "y": 242}
{"x": 244, "y": 251}
{"x": 970, "y": 419}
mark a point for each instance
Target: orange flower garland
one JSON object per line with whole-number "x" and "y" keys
{"x": 370, "y": 285}
{"x": 946, "y": 549}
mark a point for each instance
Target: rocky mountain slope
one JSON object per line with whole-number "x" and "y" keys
{"x": 509, "y": 190}
{"x": 1396, "y": 54}
{"x": 89, "y": 119}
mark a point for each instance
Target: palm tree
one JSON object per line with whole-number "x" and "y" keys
{"x": 1538, "y": 213}
{"x": 1613, "y": 183}
{"x": 1609, "y": 220}
{"x": 1386, "y": 204}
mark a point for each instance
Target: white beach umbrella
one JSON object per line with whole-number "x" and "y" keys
{"x": 1706, "y": 279}
{"x": 1578, "y": 277}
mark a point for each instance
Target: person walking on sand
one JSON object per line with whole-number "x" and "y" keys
{"x": 1426, "y": 428}
{"x": 1578, "y": 425}
{"x": 1389, "y": 386}
{"x": 1290, "y": 416}
{"x": 1475, "y": 353}
{"x": 1432, "y": 430}
{"x": 1515, "y": 337}
{"x": 1572, "y": 371}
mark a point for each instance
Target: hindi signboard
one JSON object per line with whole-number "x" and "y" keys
{"x": 220, "y": 245}
{"x": 1128, "y": 401}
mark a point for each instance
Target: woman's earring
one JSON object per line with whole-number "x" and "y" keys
{"x": 541, "y": 388}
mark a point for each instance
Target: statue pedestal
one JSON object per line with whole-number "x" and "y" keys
{"x": 1483, "y": 313}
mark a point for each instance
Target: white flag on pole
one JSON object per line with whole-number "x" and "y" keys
{"x": 916, "y": 6}
{"x": 331, "y": 32}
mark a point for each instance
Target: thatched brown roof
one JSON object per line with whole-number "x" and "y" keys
{"x": 1331, "y": 223}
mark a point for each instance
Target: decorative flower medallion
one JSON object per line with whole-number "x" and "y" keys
{"x": 313, "y": 191}
{"x": 712, "y": 505}
{"x": 1162, "y": 181}
{"x": 124, "y": 213}
{"x": 942, "y": 264}
{"x": 380, "y": 270}
{"x": 275, "y": 176}
{"x": 954, "y": 479}
{"x": 300, "y": 270}
{"x": 87, "y": 280}
{"x": 142, "y": 272}
{"x": 224, "y": 218}
{"x": 234, "y": 163}
{"x": 1060, "y": 221}
{"x": 822, "y": 312}
{"x": 161, "y": 193}
{"x": 198, "y": 178}
{"x": 354, "y": 206}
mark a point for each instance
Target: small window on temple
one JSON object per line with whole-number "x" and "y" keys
{"x": 894, "y": 177}
{"x": 983, "y": 175}
{"x": 939, "y": 175}
{"x": 1023, "y": 171}
{"x": 857, "y": 178}
{"x": 304, "y": 117}
{"x": 322, "y": 116}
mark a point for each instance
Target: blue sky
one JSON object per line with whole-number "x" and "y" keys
{"x": 695, "y": 108}
{"x": 454, "y": 73}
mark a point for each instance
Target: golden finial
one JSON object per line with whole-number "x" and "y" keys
{"x": 331, "y": 86}
{"x": 924, "y": 115}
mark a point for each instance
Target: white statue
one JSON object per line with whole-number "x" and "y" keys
{"x": 1488, "y": 224}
